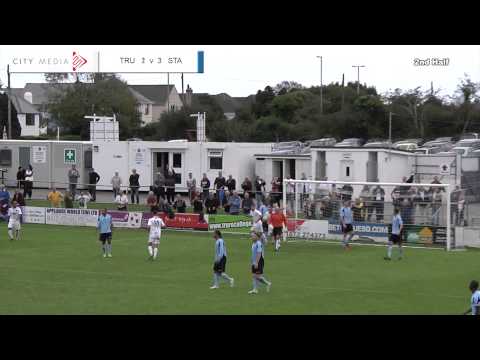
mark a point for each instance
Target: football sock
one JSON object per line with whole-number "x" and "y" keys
{"x": 345, "y": 241}
{"x": 104, "y": 248}
{"x": 10, "y": 233}
{"x": 389, "y": 250}
{"x": 109, "y": 248}
{"x": 215, "y": 279}
{"x": 155, "y": 252}
{"x": 263, "y": 280}
{"x": 350, "y": 237}
{"x": 254, "y": 284}
{"x": 401, "y": 251}
{"x": 150, "y": 250}
{"x": 226, "y": 277}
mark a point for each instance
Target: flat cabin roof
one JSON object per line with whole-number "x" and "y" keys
{"x": 358, "y": 149}
{"x": 284, "y": 156}
{"x": 46, "y": 141}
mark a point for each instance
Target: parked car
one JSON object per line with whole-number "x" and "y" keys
{"x": 429, "y": 150}
{"x": 351, "y": 142}
{"x": 407, "y": 146}
{"x": 468, "y": 136}
{"x": 378, "y": 144}
{"x": 323, "y": 142}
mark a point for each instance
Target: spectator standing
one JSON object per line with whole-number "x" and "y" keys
{"x": 93, "y": 179}
{"x": 152, "y": 202}
{"x": 55, "y": 197}
{"x": 259, "y": 189}
{"x": 134, "y": 186}
{"x": 365, "y": 198}
{"x": 421, "y": 200}
{"x": 231, "y": 184}
{"x": 20, "y": 177}
{"x": 122, "y": 201}
{"x": 73, "y": 176}
{"x": 378, "y": 198}
{"x": 192, "y": 187}
{"x": 275, "y": 194}
{"x": 347, "y": 192}
{"x": 247, "y": 203}
{"x": 68, "y": 200}
{"x": 83, "y": 200}
{"x": 205, "y": 185}
{"x": 457, "y": 206}
{"x": 247, "y": 187}
{"x": 27, "y": 191}
{"x": 234, "y": 204}
{"x": 220, "y": 184}
{"x": 436, "y": 181}
{"x": 436, "y": 206}
{"x": 226, "y": 206}
{"x": 116, "y": 185}
{"x": 170, "y": 185}
{"x": 179, "y": 205}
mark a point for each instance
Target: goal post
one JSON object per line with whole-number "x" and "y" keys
{"x": 312, "y": 209}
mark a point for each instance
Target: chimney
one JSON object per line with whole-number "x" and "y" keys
{"x": 28, "y": 97}
{"x": 188, "y": 96}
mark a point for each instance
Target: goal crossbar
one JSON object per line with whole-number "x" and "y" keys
{"x": 447, "y": 188}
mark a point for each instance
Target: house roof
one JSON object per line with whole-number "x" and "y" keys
{"x": 157, "y": 94}
{"x": 228, "y": 103}
{"x": 41, "y": 92}
{"x": 139, "y": 97}
{"x": 23, "y": 106}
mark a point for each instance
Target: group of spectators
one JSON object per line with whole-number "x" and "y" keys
{"x": 423, "y": 204}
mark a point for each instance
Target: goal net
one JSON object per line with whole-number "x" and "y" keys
{"x": 429, "y": 216}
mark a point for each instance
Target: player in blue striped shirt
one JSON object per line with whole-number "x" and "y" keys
{"x": 346, "y": 221}
{"x": 105, "y": 226}
{"x": 475, "y": 300}
{"x": 220, "y": 261}
{"x": 257, "y": 264}
{"x": 396, "y": 237}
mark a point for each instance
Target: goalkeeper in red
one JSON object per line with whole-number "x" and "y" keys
{"x": 278, "y": 221}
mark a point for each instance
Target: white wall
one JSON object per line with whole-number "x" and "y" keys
{"x": 238, "y": 160}
{"x": 29, "y": 130}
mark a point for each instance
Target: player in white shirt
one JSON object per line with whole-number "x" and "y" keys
{"x": 475, "y": 300}
{"x": 257, "y": 222}
{"x": 155, "y": 225}
{"x": 14, "y": 215}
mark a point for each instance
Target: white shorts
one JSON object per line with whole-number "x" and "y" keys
{"x": 14, "y": 225}
{"x": 154, "y": 240}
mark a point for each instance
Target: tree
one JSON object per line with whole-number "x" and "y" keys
{"x": 104, "y": 98}
{"x": 77, "y": 77}
{"x": 467, "y": 89}
{"x": 16, "y": 128}
{"x": 287, "y": 86}
{"x": 263, "y": 99}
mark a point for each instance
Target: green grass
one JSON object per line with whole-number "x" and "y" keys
{"x": 59, "y": 270}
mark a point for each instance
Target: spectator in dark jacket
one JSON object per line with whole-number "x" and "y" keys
{"x": 134, "y": 186}
{"x": 211, "y": 204}
{"x": 259, "y": 189}
{"x": 231, "y": 184}
{"x": 180, "y": 204}
{"x": 234, "y": 204}
{"x": 170, "y": 185}
{"x": 197, "y": 205}
{"x": 205, "y": 185}
{"x": 152, "y": 202}
{"x": 220, "y": 184}
{"x": 247, "y": 203}
{"x": 20, "y": 177}
{"x": 93, "y": 179}
{"x": 247, "y": 187}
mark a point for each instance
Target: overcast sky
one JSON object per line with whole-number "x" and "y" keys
{"x": 241, "y": 70}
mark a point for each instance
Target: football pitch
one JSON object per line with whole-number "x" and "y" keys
{"x": 60, "y": 270}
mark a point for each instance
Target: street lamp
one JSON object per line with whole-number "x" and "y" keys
{"x": 321, "y": 84}
{"x": 390, "y": 127}
{"x": 358, "y": 77}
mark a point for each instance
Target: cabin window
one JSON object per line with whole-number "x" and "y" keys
{"x": 6, "y": 157}
{"x": 215, "y": 160}
{"x": 177, "y": 160}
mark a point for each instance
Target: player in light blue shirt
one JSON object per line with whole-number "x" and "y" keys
{"x": 346, "y": 221}
{"x": 105, "y": 226}
{"x": 220, "y": 261}
{"x": 257, "y": 262}
{"x": 396, "y": 236}
{"x": 475, "y": 300}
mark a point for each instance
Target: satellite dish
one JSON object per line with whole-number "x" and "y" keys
{"x": 28, "y": 97}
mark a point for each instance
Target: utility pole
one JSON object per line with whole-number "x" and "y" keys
{"x": 9, "y": 109}
{"x": 358, "y": 77}
{"x": 321, "y": 84}
{"x": 390, "y": 114}
{"x": 343, "y": 90}
{"x": 182, "y": 85}
{"x": 168, "y": 93}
